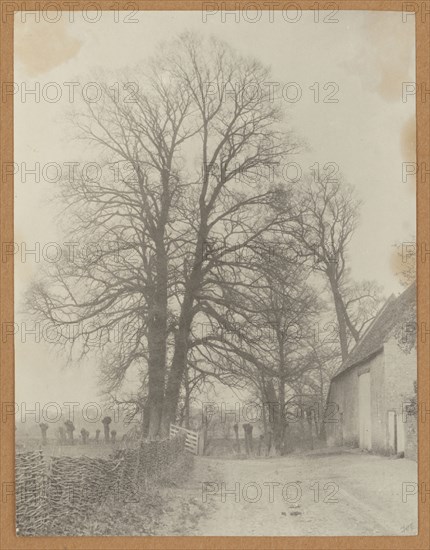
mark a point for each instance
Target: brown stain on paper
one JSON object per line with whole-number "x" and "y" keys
{"x": 392, "y": 56}
{"x": 41, "y": 46}
{"x": 386, "y": 57}
{"x": 408, "y": 140}
{"x": 403, "y": 263}
{"x": 408, "y": 145}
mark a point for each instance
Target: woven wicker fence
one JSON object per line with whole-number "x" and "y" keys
{"x": 51, "y": 489}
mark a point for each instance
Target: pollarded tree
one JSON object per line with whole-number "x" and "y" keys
{"x": 70, "y": 428}
{"x": 84, "y": 435}
{"x": 44, "y": 428}
{"x": 62, "y": 435}
{"x": 106, "y": 427}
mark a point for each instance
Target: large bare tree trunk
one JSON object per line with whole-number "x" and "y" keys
{"x": 157, "y": 344}
{"x": 341, "y": 322}
{"x": 180, "y": 355}
{"x": 145, "y": 420}
{"x": 282, "y": 421}
{"x": 158, "y": 212}
{"x": 274, "y": 416}
{"x": 186, "y": 414}
{"x": 178, "y": 366}
{"x": 156, "y": 376}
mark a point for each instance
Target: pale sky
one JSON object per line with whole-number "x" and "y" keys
{"x": 369, "y": 132}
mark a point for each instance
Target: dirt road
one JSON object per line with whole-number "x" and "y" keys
{"x": 314, "y": 494}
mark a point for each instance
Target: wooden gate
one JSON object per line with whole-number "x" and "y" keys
{"x": 191, "y": 438}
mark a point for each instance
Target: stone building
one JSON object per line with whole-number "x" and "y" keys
{"x": 369, "y": 395}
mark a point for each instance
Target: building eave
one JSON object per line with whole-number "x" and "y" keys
{"x": 361, "y": 362}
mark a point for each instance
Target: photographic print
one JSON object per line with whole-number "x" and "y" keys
{"x": 214, "y": 254}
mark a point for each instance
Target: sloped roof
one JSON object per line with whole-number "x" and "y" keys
{"x": 393, "y": 313}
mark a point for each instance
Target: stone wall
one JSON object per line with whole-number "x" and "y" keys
{"x": 392, "y": 375}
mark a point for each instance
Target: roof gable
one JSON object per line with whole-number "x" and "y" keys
{"x": 392, "y": 314}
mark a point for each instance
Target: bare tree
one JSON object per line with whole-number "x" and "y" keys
{"x": 324, "y": 217}
{"x": 405, "y": 261}
{"x": 264, "y": 326}
{"x": 70, "y": 428}
{"x": 106, "y": 427}
{"x": 44, "y": 428}
{"x": 238, "y": 133}
{"x": 84, "y": 435}
{"x": 154, "y": 209}
{"x": 123, "y": 288}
